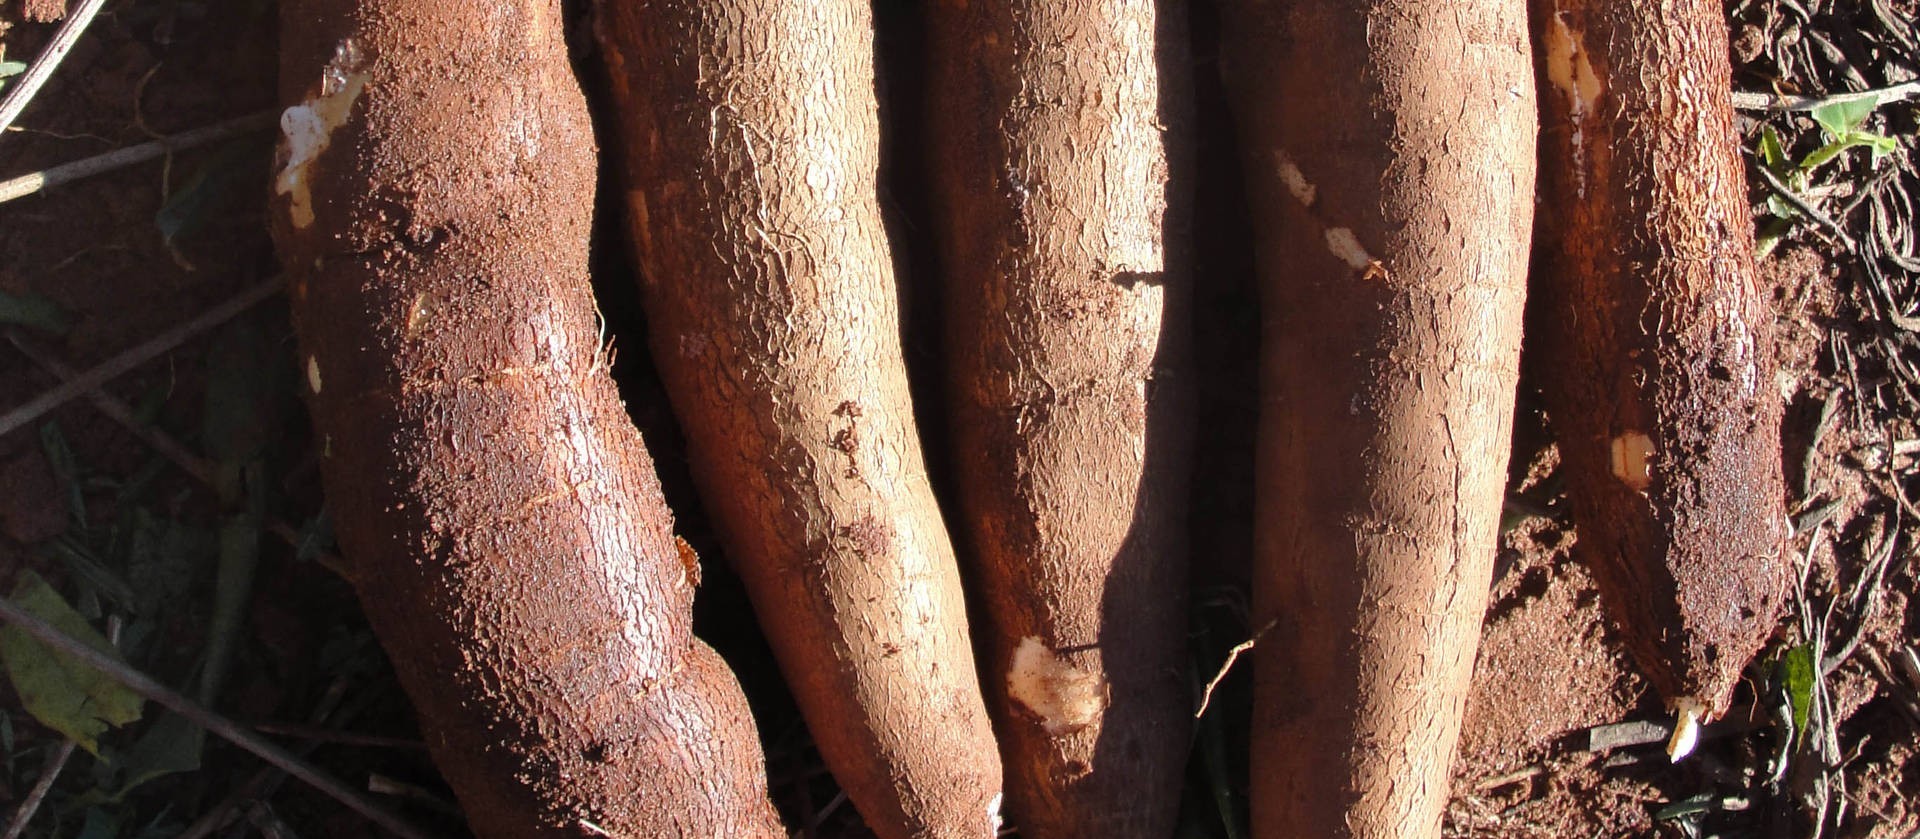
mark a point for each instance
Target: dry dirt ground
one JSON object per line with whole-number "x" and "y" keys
{"x": 191, "y": 523}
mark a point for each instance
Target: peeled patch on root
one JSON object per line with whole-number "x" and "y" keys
{"x": 1632, "y": 456}
{"x": 1295, "y": 180}
{"x": 1344, "y": 244}
{"x": 1064, "y": 697}
{"x": 307, "y": 129}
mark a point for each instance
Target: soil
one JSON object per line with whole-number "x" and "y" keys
{"x": 1550, "y": 670}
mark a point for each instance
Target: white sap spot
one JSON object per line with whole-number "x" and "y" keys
{"x": 1064, "y": 697}
{"x": 993, "y": 812}
{"x": 1686, "y": 728}
{"x": 1632, "y": 457}
{"x": 307, "y": 128}
{"x": 313, "y": 373}
{"x": 1295, "y": 179}
{"x": 1570, "y": 70}
{"x": 1347, "y": 246}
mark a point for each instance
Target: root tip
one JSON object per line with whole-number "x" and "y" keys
{"x": 1686, "y": 729}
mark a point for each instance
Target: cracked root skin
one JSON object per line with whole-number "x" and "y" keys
{"x": 1659, "y": 338}
{"x": 1065, "y": 259}
{"x": 500, "y": 514}
{"x": 749, "y": 138}
{"x": 1389, "y": 361}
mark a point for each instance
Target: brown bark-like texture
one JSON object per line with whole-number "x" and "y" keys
{"x": 1656, "y": 338}
{"x": 750, "y": 140}
{"x": 1064, "y": 251}
{"x": 498, "y": 511}
{"x": 1389, "y": 147}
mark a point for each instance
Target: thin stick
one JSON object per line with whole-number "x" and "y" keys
{"x": 1233, "y": 655}
{"x": 322, "y": 734}
{"x": 232, "y": 732}
{"x": 39, "y": 792}
{"x": 33, "y": 182}
{"x": 50, "y": 58}
{"x": 136, "y": 356}
{"x": 1774, "y": 102}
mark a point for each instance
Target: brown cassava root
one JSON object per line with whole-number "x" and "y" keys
{"x": 1065, "y": 259}
{"x": 1658, "y": 337}
{"x": 749, "y": 138}
{"x": 1389, "y": 150}
{"x": 498, "y": 511}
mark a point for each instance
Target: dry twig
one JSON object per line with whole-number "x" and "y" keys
{"x": 29, "y": 84}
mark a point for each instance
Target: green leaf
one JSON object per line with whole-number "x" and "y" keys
{"x": 62, "y": 693}
{"x": 1772, "y": 153}
{"x": 1779, "y": 208}
{"x": 34, "y": 312}
{"x": 1880, "y": 144}
{"x": 1768, "y": 240}
{"x": 1821, "y": 156}
{"x": 1796, "y": 678}
{"x": 173, "y": 745}
{"x": 1840, "y": 119}
{"x": 9, "y": 69}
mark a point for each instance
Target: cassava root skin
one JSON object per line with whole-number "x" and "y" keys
{"x": 750, "y": 147}
{"x": 499, "y": 512}
{"x": 1389, "y": 146}
{"x": 1657, "y": 338}
{"x": 1065, "y": 260}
